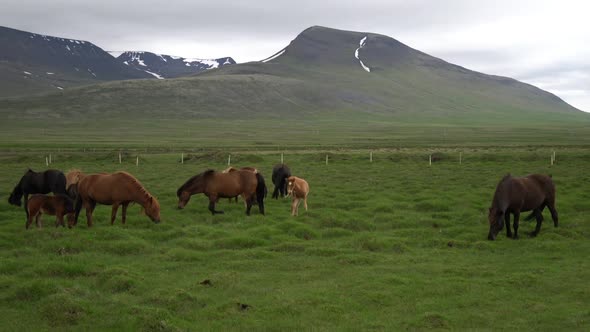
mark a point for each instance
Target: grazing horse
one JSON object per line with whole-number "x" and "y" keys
{"x": 298, "y": 189}
{"x": 58, "y": 206}
{"x": 515, "y": 195}
{"x": 279, "y": 175}
{"x": 32, "y": 182}
{"x": 119, "y": 188}
{"x": 217, "y": 185}
{"x": 233, "y": 169}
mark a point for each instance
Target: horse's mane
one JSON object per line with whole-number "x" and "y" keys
{"x": 190, "y": 181}
{"x": 135, "y": 182}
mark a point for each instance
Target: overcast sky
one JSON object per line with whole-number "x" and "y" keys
{"x": 545, "y": 43}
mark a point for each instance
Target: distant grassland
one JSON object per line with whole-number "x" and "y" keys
{"x": 389, "y": 245}
{"x": 269, "y": 134}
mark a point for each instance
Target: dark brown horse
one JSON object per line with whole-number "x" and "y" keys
{"x": 280, "y": 173}
{"x": 119, "y": 188}
{"x": 217, "y": 185}
{"x": 58, "y": 206}
{"x": 515, "y": 195}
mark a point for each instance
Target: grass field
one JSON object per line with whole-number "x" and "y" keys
{"x": 389, "y": 245}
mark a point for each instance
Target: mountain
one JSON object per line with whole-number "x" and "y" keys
{"x": 167, "y": 66}
{"x": 334, "y": 81}
{"x": 31, "y": 63}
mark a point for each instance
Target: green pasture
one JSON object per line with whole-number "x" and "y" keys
{"x": 389, "y": 245}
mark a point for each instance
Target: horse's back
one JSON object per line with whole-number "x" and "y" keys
{"x": 108, "y": 187}
{"x": 233, "y": 183}
{"x": 524, "y": 193}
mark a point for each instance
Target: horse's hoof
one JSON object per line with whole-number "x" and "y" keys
{"x": 532, "y": 234}
{"x": 515, "y": 237}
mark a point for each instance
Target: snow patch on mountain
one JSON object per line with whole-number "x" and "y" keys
{"x": 356, "y": 54}
{"x": 274, "y": 56}
{"x": 154, "y": 74}
{"x": 210, "y": 63}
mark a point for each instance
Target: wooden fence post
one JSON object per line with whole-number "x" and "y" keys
{"x": 46, "y": 161}
{"x": 282, "y": 159}
{"x": 460, "y": 157}
{"x": 137, "y": 161}
{"x": 326, "y": 159}
{"x": 430, "y": 160}
{"x": 371, "y": 156}
{"x": 182, "y": 158}
{"x": 229, "y": 160}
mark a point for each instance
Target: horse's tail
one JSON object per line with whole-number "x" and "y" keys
{"x": 261, "y": 191}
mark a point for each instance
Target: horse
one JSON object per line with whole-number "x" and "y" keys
{"x": 215, "y": 185}
{"x": 297, "y": 188}
{"x": 73, "y": 176}
{"x": 233, "y": 169}
{"x": 279, "y": 175}
{"x": 119, "y": 188}
{"x": 32, "y": 182}
{"x": 58, "y": 206}
{"x": 515, "y": 195}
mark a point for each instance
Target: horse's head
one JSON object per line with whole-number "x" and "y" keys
{"x": 152, "y": 209}
{"x": 495, "y": 218}
{"x": 68, "y": 204}
{"x": 194, "y": 185}
{"x": 290, "y": 185}
{"x": 72, "y": 191}
{"x": 72, "y": 177}
{"x": 183, "y": 198}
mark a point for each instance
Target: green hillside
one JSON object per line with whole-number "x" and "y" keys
{"x": 315, "y": 86}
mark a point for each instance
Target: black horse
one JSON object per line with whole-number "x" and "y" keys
{"x": 280, "y": 173}
{"x": 32, "y": 182}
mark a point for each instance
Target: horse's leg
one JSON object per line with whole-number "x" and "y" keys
{"x": 38, "y": 220}
{"x": 124, "y": 212}
{"x": 507, "y": 222}
{"x": 78, "y": 208}
{"x": 275, "y": 193}
{"x": 539, "y": 217}
{"x": 90, "y": 205}
{"x": 26, "y": 199}
{"x": 553, "y": 214}
{"x": 516, "y": 217}
{"x": 212, "y": 200}
{"x": 114, "y": 212}
{"x": 249, "y": 202}
{"x": 294, "y": 204}
{"x": 305, "y": 202}
{"x": 59, "y": 219}
{"x": 29, "y": 221}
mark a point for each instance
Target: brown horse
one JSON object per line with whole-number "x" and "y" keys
{"x": 233, "y": 169}
{"x": 515, "y": 195}
{"x": 217, "y": 185}
{"x": 119, "y": 188}
{"x": 58, "y": 206}
{"x": 298, "y": 189}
